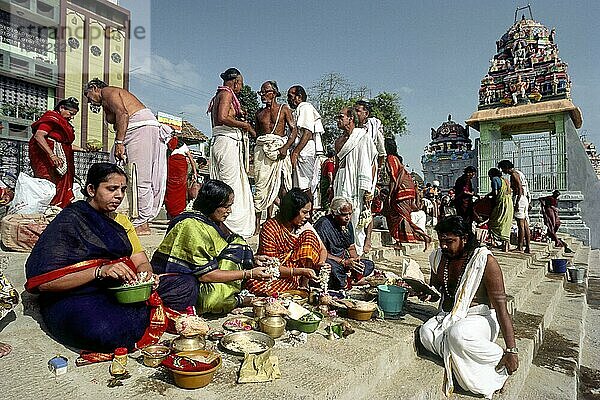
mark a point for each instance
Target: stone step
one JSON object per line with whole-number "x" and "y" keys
{"x": 553, "y": 373}
{"x": 589, "y": 370}
{"x": 535, "y": 299}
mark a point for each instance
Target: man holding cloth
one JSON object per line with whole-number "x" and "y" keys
{"x": 354, "y": 178}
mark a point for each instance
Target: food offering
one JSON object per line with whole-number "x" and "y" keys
{"x": 295, "y": 295}
{"x": 302, "y": 319}
{"x": 250, "y": 342}
{"x": 239, "y": 324}
{"x": 135, "y": 291}
{"x": 193, "y": 369}
{"x": 272, "y": 268}
{"x": 276, "y": 307}
{"x": 360, "y": 310}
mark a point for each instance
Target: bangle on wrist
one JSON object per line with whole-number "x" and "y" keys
{"x": 243, "y": 274}
{"x": 250, "y": 274}
{"x": 291, "y": 272}
{"x": 512, "y": 350}
{"x": 98, "y": 273}
{"x": 119, "y": 142}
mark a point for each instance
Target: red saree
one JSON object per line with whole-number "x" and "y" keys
{"x": 176, "y": 193}
{"x": 401, "y": 203}
{"x": 60, "y": 132}
{"x": 291, "y": 250}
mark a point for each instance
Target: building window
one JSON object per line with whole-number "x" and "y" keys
{"x": 43, "y": 72}
{"x": 19, "y": 65}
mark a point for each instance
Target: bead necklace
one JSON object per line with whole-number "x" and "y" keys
{"x": 462, "y": 271}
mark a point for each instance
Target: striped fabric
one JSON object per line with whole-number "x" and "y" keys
{"x": 292, "y": 250}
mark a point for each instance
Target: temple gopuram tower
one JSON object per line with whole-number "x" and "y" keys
{"x": 448, "y": 154}
{"x": 526, "y": 115}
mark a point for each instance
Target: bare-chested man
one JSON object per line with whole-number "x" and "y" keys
{"x": 227, "y": 151}
{"x": 139, "y": 139}
{"x": 272, "y": 166}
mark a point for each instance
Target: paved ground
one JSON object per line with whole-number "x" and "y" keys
{"x": 378, "y": 361}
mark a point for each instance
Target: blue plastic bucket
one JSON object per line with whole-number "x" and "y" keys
{"x": 391, "y": 299}
{"x": 559, "y": 265}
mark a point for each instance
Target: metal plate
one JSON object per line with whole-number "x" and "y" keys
{"x": 232, "y": 342}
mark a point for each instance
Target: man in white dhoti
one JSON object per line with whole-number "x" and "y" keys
{"x": 139, "y": 139}
{"x": 308, "y": 148}
{"x": 473, "y": 311}
{"x": 227, "y": 151}
{"x": 374, "y": 129}
{"x": 272, "y": 165}
{"x": 356, "y": 154}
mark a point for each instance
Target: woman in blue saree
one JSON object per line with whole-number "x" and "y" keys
{"x": 82, "y": 252}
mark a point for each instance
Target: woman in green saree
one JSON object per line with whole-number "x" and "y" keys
{"x": 502, "y": 214}
{"x": 198, "y": 242}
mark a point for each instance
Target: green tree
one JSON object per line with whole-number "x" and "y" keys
{"x": 334, "y": 92}
{"x": 386, "y": 106}
{"x": 249, "y": 102}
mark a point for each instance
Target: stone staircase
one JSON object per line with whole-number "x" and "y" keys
{"x": 377, "y": 362}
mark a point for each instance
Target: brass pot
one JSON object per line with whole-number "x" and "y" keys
{"x": 273, "y": 326}
{"x": 155, "y": 354}
{"x": 188, "y": 343}
{"x": 258, "y": 308}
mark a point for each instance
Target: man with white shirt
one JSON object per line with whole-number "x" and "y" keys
{"x": 308, "y": 146}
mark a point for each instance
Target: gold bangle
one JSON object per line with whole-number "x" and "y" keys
{"x": 250, "y": 274}
{"x": 292, "y": 271}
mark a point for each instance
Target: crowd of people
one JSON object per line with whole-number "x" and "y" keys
{"x": 204, "y": 262}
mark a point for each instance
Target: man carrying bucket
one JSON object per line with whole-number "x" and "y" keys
{"x": 473, "y": 312}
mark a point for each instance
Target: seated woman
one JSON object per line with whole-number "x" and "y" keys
{"x": 82, "y": 252}
{"x": 199, "y": 244}
{"x": 337, "y": 233}
{"x": 291, "y": 239}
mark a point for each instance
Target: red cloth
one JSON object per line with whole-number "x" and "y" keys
{"x": 327, "y": 167}
{"x": 176, "y": 193}
{"x": 60, "y": 130}
{"x": 401, "y": 204}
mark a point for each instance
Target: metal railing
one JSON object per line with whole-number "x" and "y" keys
{"x": 540, "y": 156}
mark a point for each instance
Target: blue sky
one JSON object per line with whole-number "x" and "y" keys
{"x": 432, "y": 53}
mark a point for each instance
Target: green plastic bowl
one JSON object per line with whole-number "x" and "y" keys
{"x": 307, "y": 327}
{"x": 132, "y": 294}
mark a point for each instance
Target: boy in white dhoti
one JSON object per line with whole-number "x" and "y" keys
{"x": 308, "y": 146}
{"x": 473, "y": 311}
{"x": 227, "y": 152}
